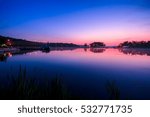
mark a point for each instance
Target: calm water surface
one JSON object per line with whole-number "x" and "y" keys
{"x": 86, "y": 72}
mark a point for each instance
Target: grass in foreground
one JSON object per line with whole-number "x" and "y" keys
{"x": 30, "y": 88}
{"x": 23, "y": 87}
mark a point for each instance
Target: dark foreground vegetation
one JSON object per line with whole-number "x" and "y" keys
{"x": 24, "y": 87}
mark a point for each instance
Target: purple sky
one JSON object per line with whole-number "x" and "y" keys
{"x": 110, "y": 21}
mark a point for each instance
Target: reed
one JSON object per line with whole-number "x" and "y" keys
{"x": 23, "y": 87}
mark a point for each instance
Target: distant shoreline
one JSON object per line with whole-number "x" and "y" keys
{"x": 3, "y": 50}
{"x": 15, "y": 50}
{"x": 9, "y": 42}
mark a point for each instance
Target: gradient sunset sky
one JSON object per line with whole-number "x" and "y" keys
{"x": 76, "y": 21}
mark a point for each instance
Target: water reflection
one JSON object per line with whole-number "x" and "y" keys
{"x": 86, "y": 74}
{"x": 4, "y": 56}
{"x": 58, "y": 49}
{"x": 97, "y": 50}
{"x": 85, "y": 49}
{"x": 45, "y": 51}
{"x": 136, "y": 51}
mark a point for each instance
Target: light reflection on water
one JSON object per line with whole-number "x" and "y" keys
{"x": 86, "y": 71}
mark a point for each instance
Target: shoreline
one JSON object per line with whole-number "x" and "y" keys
{"x": 17, "y": 49}
{"x": 3, "y": 50}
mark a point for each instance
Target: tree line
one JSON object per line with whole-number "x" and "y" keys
{"x": 20, "y": 42}
{"x": 135, "y": 44}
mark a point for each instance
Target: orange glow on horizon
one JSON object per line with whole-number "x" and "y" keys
{"x": 108, "y": 42}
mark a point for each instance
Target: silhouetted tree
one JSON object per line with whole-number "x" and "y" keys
{"x": 85, "y": 45}
{"x": 134, "y": 44}
{"x": 97, "y": 44}
{"x": 62, "y": 45}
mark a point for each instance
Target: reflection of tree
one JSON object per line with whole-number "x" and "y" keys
{"x": 59, "y": 49}
{"x": 85, "y": 49}
{"x": 136, "y": 51}
{"x": 3, "y": 57}
{"x": 46, "y": 51}
{"x": 97, "y": 50}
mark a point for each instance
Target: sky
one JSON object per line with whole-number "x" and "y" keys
{"x": 76, "y": 21}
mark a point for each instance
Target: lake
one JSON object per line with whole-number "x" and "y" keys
{"x": 96, "y": 73}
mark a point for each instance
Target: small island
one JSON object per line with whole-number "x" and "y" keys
{"x": 97, "y": 45}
